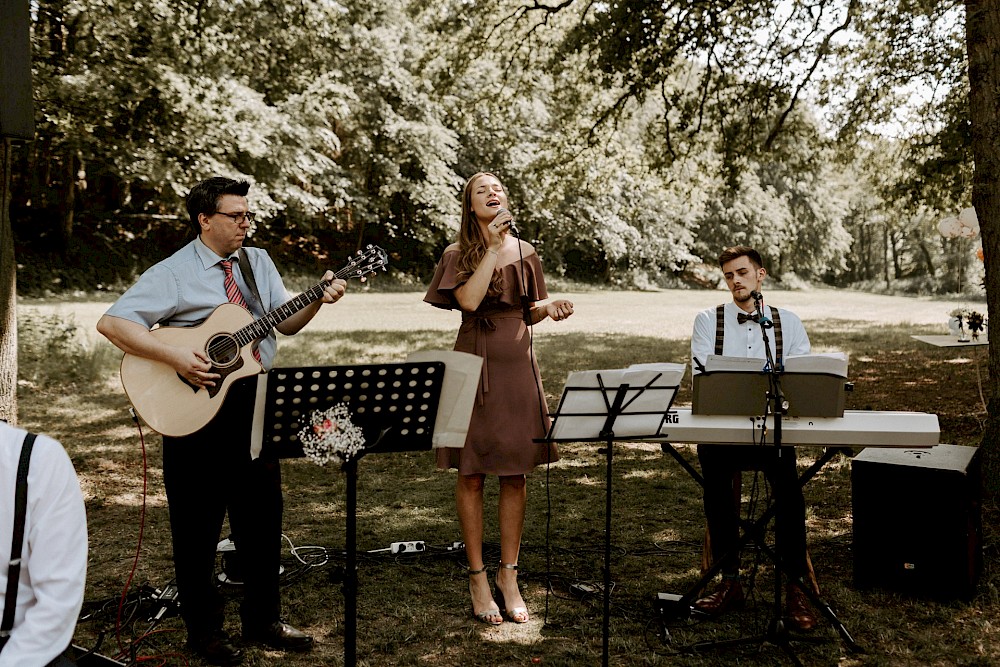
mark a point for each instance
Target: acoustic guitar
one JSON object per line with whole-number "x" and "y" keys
{"x": 172, "y": 405}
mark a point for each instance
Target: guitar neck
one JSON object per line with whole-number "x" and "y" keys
{"x": 260, "y": 328}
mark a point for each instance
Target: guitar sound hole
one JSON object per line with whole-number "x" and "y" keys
{"x": 223, "y": 349}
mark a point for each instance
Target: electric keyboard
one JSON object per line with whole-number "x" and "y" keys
{"x": 857, "y": 428}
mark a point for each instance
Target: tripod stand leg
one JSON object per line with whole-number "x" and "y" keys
{"x": 831, "y": 616}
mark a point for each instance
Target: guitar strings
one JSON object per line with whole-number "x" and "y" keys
{"x": 227, "y": 346}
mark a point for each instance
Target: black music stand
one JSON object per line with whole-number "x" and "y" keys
{"x": 395, "y": 405}
{"x": 609, "y": 405}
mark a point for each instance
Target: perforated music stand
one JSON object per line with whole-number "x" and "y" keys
{"x": 608, "y": 405}
{"x": 395, "y": 405}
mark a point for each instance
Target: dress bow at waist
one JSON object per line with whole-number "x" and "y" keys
{"x": 483, "y": 324}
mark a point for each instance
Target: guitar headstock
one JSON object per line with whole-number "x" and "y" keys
{"x": 364, "y": 263}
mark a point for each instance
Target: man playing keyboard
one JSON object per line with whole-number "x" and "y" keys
{"x": 734, "y": 329}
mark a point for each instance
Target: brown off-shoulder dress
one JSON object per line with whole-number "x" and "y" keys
{"x": 510, "y": 411}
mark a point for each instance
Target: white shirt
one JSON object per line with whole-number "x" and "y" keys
{"x": 54, "y": 555}
{"x": 744, "y": 340}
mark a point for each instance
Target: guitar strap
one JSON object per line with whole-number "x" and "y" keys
{"x": 17, "y": 539}
{"x": 247, "y": 272}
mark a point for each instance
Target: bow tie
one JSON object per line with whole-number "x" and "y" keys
{"x": 742, "y": 318}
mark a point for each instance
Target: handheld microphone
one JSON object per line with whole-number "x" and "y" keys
{"x": 756, "y": 296}
{"x": 512, "y": 227}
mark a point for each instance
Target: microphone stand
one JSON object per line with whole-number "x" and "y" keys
{"x": 777, "y": 633}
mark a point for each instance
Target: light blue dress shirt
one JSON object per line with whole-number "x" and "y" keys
{"x": 185, "y": 288}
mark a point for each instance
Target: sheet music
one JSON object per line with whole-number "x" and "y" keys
{"x": 458, "y": 394}
{"x": 719, "y": 362}
{"x": 584, "y": 405}
{"x": 832, "y": 363}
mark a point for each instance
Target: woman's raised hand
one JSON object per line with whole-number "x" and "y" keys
{"x": 560, "y": 309}
{"x": 499, "y": 227}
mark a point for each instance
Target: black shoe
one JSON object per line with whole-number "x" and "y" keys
{"x": 280, "y": 635}
{"x": 217, "y": 649}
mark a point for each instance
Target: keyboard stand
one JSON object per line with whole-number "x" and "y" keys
{"x": 754, "y": 531}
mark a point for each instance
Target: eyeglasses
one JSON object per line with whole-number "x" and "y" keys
{"x": 238, "y": 218}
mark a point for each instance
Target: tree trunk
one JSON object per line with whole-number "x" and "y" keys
{"x": 925, "y": 252}
{"x": 67, "y": 203}
{"x": 886, "y": 259}
{"x": 8, "y": 294}
{"x": 982, "y": 30}
{"x": 897, "y": 267}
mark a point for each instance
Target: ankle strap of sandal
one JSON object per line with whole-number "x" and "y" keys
{"x": 508, "y": 566}
{"x": 473, "y": 573}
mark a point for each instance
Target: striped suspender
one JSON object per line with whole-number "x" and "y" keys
{"x": 17, "y": 538}
{"x": 777, "y": 337}
{"x": 720, "y": 327}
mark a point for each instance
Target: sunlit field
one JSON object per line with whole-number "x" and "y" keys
{"x": 414, "y": 609}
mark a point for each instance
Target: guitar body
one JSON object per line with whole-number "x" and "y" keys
{"x": 171, "y": 405}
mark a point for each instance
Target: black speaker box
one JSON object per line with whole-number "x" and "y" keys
{"x": 17, "y": 115}
{"x": 918, "y": 520}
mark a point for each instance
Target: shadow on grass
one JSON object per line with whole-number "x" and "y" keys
{"x": 414, "y": 610}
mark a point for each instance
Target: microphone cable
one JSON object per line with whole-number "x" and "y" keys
{"x": 542, "y": 413}
{"x": 138, "y": 547}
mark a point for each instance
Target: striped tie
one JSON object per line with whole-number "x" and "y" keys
{"x": 234, "y": 294}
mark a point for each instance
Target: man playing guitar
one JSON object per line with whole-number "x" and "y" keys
{"x": 209, "y": 471}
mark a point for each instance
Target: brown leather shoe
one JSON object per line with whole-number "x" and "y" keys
{"x": 800, "y": 614}
{"x": 728, "y": 595}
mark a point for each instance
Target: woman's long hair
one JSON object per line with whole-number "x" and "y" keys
{"x": 472, "y": 243}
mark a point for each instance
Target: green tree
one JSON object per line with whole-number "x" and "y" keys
{"x": 757, "y": 60}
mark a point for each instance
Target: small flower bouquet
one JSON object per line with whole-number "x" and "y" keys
{"x": 962, "y": 318}
{"x": 331, "y": 435}
{"x": 976, "y": 323}
{"x": 956, "y": 324}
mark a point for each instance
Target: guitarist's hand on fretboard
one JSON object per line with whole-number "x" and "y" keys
{"x": 335, "y": 289}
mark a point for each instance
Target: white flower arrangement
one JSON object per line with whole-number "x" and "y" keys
{"x": 966, "y": 317}
{"x": 331, "y": 435}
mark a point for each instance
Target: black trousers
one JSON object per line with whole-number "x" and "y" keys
{"x": 719, "y": 466}
{"x": 205, "y": 475}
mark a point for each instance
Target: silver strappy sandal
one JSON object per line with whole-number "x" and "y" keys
{"x": 517, "y": 614}
{"x": 487, "y": 615}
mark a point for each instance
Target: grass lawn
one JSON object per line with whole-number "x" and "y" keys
{"x": 414, "y": 609}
